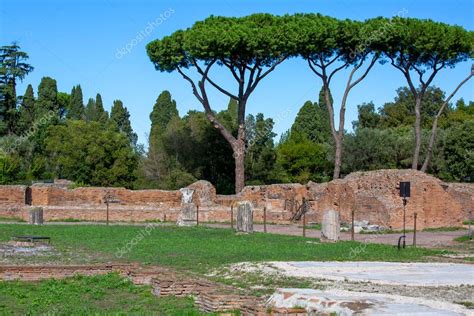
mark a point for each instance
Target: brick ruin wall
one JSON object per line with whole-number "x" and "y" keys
{"x": 373, "y": 196}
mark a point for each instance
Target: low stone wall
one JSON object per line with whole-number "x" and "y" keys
{"x": 37, "y": 273}
{"x": 373, "y": 196}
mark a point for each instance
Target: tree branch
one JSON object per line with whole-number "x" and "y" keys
{"x": 206, "y": 77}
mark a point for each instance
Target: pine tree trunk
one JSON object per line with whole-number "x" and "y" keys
{"x": 337, "y": 158}
{"x": 416, "y": 152}
{"x": 239, "y": 156}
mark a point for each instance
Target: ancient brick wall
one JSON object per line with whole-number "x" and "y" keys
{"x": 463, "y": 193}
{"x": 373, "y": 196}
{"x": 12, "y": 200}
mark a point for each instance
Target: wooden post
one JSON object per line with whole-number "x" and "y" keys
{"x": 264, "y": 219}
{"x": 352, "y": 228}
{"x": 232, "y": 216}
{"x": 107, "y": 202}
{"x": 304, "y": 224}
{"x": 197, "y": 215}
{"x": 414, "y": 229}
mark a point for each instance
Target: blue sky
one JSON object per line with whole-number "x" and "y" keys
{"x": 80, "y": 42}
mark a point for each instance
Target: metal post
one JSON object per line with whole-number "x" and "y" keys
{"x": 197, "y": 215}
{"x": 264, "y": 219}
{"x": 352, "y": 228}
{"x": 404, "y": 221}
{"x": 414, "y": 229}
{"x": 232, "y": 216}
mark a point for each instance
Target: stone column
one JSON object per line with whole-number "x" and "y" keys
{"x": 245, "y": 217}
{"x": 331, "y": 226}
{"x": 187, "y": 216}
{"x": 36, "y": 216}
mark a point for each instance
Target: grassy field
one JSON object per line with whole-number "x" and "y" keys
{"x": 105, "y": 294}
{"x": 200, "y": 249}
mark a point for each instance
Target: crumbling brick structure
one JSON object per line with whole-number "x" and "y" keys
{"x": 373, "y": 196}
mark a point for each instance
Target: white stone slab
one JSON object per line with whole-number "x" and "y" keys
{"x": 416, "y": 274}
{"x": 349, "y": 303}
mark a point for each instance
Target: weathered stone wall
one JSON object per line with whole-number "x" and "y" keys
{"x": 373, "y": 196}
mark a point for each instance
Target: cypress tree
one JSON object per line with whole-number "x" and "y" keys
{"x": 47, "y": 97}
{"x": 26, "y": 115}
{"x": 121, "y": 117}
{"x": 101, "y": 115}
{"x": 312, "y": 122}
{"x": 76, "y": 104}
{"x": 163, "y": 111}
{"x": 90, "y": 111}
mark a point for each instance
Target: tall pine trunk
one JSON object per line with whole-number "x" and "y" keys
{"x": 239, "y": 156}
{"x": 337, "y": 157}
{"x": 416, "y": 152}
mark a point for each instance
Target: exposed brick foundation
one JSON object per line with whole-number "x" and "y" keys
{"x": 372, "y": 195}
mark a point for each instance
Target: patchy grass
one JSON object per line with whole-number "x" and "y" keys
{"x": 200, "y": 249}
{"x": 468, "y": 222}
{"x": 443, "y": 229}
{"x": 104, "y": 294}
{"x": 464, "y": 238}
{"x": 67, "y": 220}
{"x": 316, "y": 226}
{"x": 467, "y": 304}
{"x": 259, "y": 283}
{"x": 11, "y": 219}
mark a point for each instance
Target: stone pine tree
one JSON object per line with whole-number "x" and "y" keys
{"x": 249, "y": 48}
{"x": 330, "y": 46}
{"x": 121, "y": 117}
{"x": 420, "y": 49}
{"x": 13, "y": 67}
{"x": 76, "y": 104}
{"x": 26, "y": 112}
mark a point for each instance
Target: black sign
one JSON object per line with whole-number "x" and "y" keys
{"x": 405, "y": 189}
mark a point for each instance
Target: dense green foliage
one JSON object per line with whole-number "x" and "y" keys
{"x": 53, "y": 135}
{"x": 105, "y": 159}
{"x": 91, "y": 295}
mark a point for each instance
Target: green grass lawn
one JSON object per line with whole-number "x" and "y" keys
{"x": 200, "y": 249}
{"x": 104, "y": 294}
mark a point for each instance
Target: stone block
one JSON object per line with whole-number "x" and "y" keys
{"x": 36, "y": 216}
{"x": 245, "y": 217}
{"x": 331, "y": 226}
